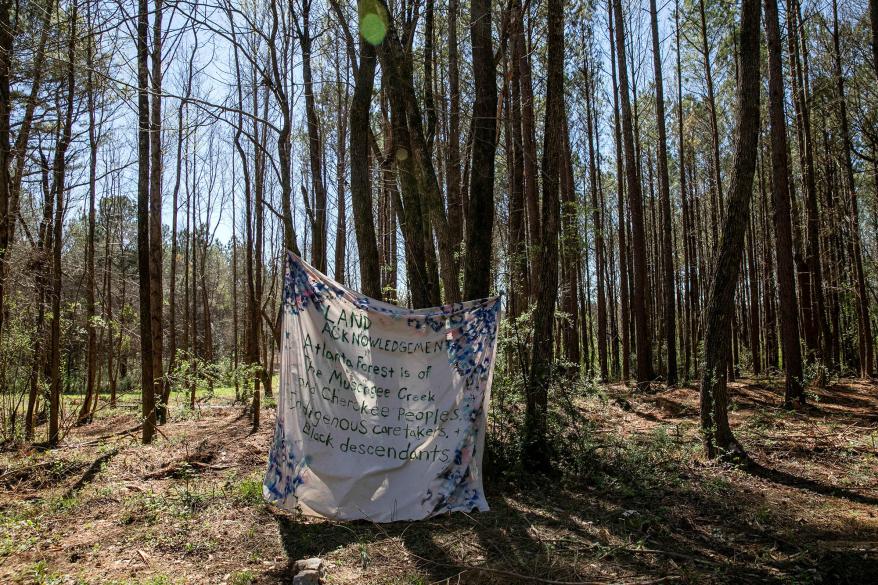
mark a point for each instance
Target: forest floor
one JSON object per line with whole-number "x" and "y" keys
{"x": 645, "y": 507}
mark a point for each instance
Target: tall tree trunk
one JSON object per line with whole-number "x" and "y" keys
{"x": 873, "y": 19}
{"x": 187, "y": 342}
{"x": 529, "y": 156}
{"x": 251, "y": 337}
{"x": 429, "y": 101}
{"x": 453, "y": 158}
{"x": 398, "y": 75}
{"x": 389, "y": 201}
{"x": 570, "y": 245}
{"x": 236, "y": 358}
{"x": 361, "y": 189}
{"x": 597, "y": 212}
{"x": 518, "y": 261}
{"x": 711, "y": 105}
{"x": 278, "y": 87}
{"x": 480, "y": 212}
{"x": 801, "y": 101}
{"x": 10, "y": 186}
{"x": 670, "y": 322}
{"x": 172, "y": 280}
{"x": 536, "y": 444}
{"x": 867, "y": 360}
{"x": 143, "y": 227}
{"x": 789, "y": 306}
{"x": 120, "y": 354}
{"x": 635, "y": 203}
{"x": 315, "y": 146}
{"x": 91, "y": 343}
{"x": 772, "y": 359}
{"x": 41, "y": 284}
{"x": 755, "y": 348}
{"x": 259, "y": 192}
{"x": 197, "y": 351}
{"x": 716, "y": 434}
{"x": 624, "y": 311}
{"x": 59, "y": 172}
{"x": 689, "y": 255}
{"x": 6, "y": 212}
{"x": 341, "y": 130}
{"x": 421, "y": 265}
{"x": 111, "y": 347}
{"x": 155, "y": 208}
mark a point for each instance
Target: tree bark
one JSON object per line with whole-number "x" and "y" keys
{"x": 453, "y": 192}
{"x": 670, "y": 323}
{"x": 865, "y": 326}
{"x": 711, "y": 105}
{"x": 789, "y": 305}
{"x": 536, "y": 445}
{"x": 143, "y": 225}
{"x": 22, "y": 140}
{"x": 340, "y": 178}
{"x": 398, "y": 75}
{"x": 624, "y": 310}
{"x": 873, "y": 19}
{"x": 569, "y": 247}
{"x": 716, "y": 434}
{"x": 518, "y": 257}
{"x": 155, "y": 210}
{"x": 420, "y": 257}
{"x": 59, "y": 174}
{"x": 361, "y": 189}
{"x": 91, "y": 343}
{"x": 689, "y": 254}
{"x": 480, "y": 212}
{"x": 596, "y": 215}
{"x": 41, "y": 284}
{"x": 635, "y": 203}
{"x": 278, "y": 85}
{"x": 315, "y": 146}
{"x": 529, "y": 155}
{"x": 6, "y": 212}
{"x": 818, "y": 349}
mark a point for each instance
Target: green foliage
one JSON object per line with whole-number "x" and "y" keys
{"x": 43, "y": 576}
{"x": 244, "y": 577}
{"x": 580, "y": 452}
{"x": 18, "y": 533}
{"x": 183, "y": 501}
{"x": 249, "y": 491}
{"x": 158, "y": 580}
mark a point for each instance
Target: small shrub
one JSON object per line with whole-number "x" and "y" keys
{"x": 242, "y": 578}
{"x": 250, "y": 491}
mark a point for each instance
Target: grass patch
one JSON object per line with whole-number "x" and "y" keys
{"x": 249, "y": 491}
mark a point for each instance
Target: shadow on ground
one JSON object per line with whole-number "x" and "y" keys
{"x": 646, "y": 511}
{"x": 630, "y": 530}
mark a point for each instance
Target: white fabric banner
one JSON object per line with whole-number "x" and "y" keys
{"x": 381, "y": 409}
